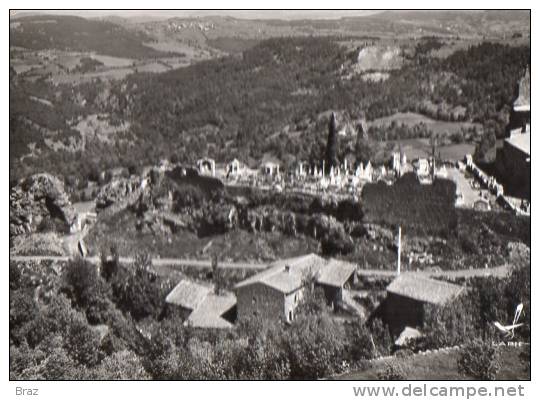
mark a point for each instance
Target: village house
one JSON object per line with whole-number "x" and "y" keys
{"x": 276, "y": 292}
{"x": 409, "y": 294}
{"x": 513, "y": 160}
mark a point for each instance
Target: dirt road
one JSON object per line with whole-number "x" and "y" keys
{"x": 173, "y": 263}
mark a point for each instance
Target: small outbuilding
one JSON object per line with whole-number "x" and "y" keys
{"x": 201, "y": 307}
{"x": 407, "y": 297}
{"x": 334, "y": 278}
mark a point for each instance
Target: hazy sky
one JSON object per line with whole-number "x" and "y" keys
{"x": 252, "y": 14}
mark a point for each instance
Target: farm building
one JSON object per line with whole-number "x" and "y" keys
{"x": 201, "y": 307}
{"x": 407, "y": 296}
{"x": 215, "y": 311}
{"x": 276, "y": 292}
{"x": 187, "y": 296}
{"x": 334, "y": 278}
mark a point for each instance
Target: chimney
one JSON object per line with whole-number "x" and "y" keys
{"x": 399, "y": 251}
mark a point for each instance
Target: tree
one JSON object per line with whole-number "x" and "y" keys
{"x": 89, "y": 292}
{"x": 363, "y": 150}
{"x": 332, "y": 144}
{"x": 361, "y": 345}
{"x": 219, "y": 284}
{"x": 479, "y": 360}
{"x": 138, "y": 292}
{"x": 122, "y": 365}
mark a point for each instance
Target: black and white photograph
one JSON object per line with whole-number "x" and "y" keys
{"x": 270, "y": 195}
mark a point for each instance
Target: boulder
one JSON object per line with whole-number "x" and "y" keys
{"x": 116, "y": 191}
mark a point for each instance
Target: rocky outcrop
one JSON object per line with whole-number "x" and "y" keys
{"x": 117, "y": 191}
{"x": 35, "y": 198}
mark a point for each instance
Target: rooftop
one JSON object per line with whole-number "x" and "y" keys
{"x": 423, "y": 289}
{"x": 188, "y": 294}
{"x": 521, "y": 141}
{"x": 288, "y": 275}
{"x": 209, "y": 312}
{"x": 336, "y": 273}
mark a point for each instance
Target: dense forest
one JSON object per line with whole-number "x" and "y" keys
{"x": 268, "y": 100}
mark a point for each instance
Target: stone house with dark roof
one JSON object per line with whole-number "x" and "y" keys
{"x": 277, "y": 291}
{"x": 407, "y": 296}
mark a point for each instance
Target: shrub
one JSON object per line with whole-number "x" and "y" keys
{"x": 479, "y": 360}
{"x": 360, "y": 346}
{"x": 391, "y": 372}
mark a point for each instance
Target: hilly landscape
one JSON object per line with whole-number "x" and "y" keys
{"x": 255, "y": 196}
{"x": 160, "y": 87}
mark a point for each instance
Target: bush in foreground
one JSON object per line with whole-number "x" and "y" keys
{"x": 479, "y": 360}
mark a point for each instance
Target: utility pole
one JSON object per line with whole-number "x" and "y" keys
{"x": 399, "y": 251}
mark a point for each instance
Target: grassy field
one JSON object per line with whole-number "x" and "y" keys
{"x": 443, "y": 366}
{"x": 411, "y": 119}
{"x": 113, "y": 62}
{"x": 420, "y": 148}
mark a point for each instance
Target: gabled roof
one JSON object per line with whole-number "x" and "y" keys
{"x": 188, "y": 294}
{"x": 521, "y": 141}
{"x": 209, "y": 312}
{"x": 336, "y": 273}
{"x": 287, "y": 275}
{"x": 423, "y": 289}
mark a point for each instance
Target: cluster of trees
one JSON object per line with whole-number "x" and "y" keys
{"x": 88, "y": 64}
